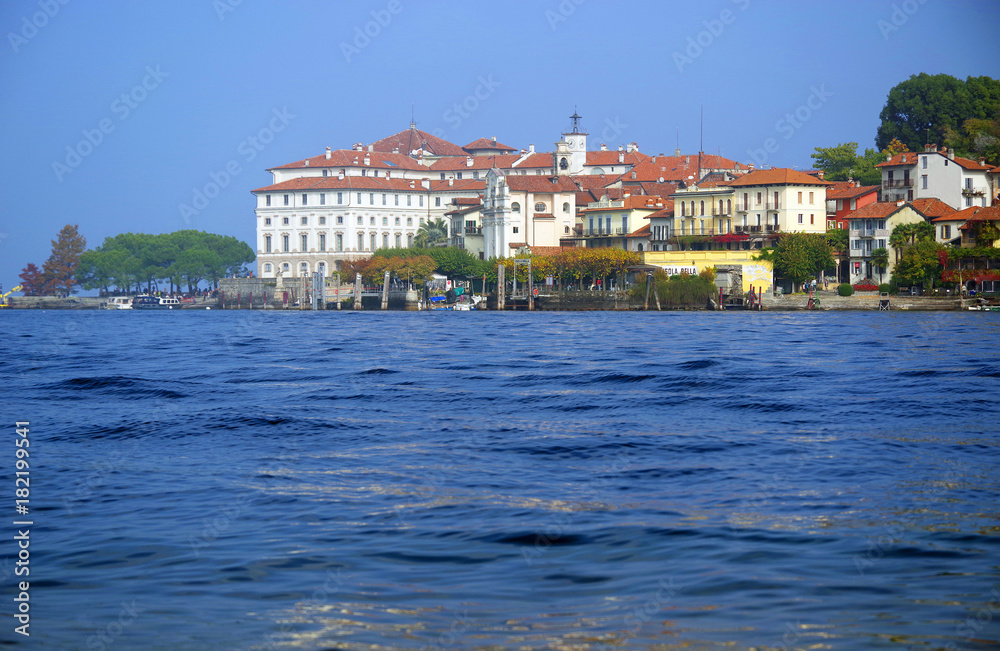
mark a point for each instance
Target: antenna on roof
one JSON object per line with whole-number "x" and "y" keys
{"x": 413, "y": 121}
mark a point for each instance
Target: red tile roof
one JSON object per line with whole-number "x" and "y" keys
{"x": 645, "y": 231}
{"x": 314, "y": 183}
{"x": 633, "y": 202}
{"x": 611, "y": 157}
{"x": 777, "y": 176}
{"x": 409, "y": 139}
{"x": 488, "y": 143}
{"x": 354, "y": 158}
{"x": 540, "y": 184}
{"x": 677, "y": 168}
{"x": 910, "y": 158}
{"x": 537, "y": 160}
{"x": 975, "y": 214}
{"x": 459, "y": 163}
{"x": 849, "y": 190}
{"x": 932, "y": 207}
{"x": 668, "y": 211}
{"x": 876, "y": 210}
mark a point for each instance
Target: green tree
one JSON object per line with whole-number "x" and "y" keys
{"x": 59, "y": 271}
{"x": 431, "y": 232}
{"x": 842, "y": 162}
{"x": 919, "y": 263}
{"x": 801, "y": 256}
{"x": 880, "y": 258}
{"x": 935, "y": 108}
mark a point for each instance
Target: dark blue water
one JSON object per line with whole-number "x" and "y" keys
{"x": 266, "y": 480}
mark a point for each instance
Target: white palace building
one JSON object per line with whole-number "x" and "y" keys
{"x": 346, "y": 203}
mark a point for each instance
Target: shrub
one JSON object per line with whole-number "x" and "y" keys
{"x": 885, "y": 288}
{"x": 845, "y": 289}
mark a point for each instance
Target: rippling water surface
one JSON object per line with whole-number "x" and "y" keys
{"x": 267, "y": 480}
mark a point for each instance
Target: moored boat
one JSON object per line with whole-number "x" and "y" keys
{"x": 119, "y": 303}
{"x": 147, "y": 302}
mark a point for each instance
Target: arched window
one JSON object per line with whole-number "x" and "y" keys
{"x": 702, "y": 206}
{"x": 563, "y": 164}
{"x": 640, "y": 248}
{"x": 729, "y": 206}
{"x": 539, "y": 207}
{"x": 566, "y": 207}
{"x": 515, "y": 207}
{"x": 683, "y": 209}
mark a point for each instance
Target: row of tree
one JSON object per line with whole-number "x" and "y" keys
{"x": 574, "y": 266}
{"x": 134, "y": 261}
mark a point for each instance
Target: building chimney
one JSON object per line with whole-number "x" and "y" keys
{"x": 371, "y": 147}
{"x": 368, "y": 160}
{"x": 328, "y": 153}
{"x": 451, "y": 180}
{"x": 888, "y": 157}
{"x": 982, "y": 161}
{"x": 340, "y": 175}
{"x": 857, "y": 184}
{"x": 687, "y": 160}
{"x": 621, "y": 157}
{"x": 306, "y": 163}
{"x": 604, "y": 147}
{"x": 395, "y": 150}
{"x": 951, "y": 154}
{"x": 677, "y": 152}
{"x": 531, "y": 149}
{"x": 468, "y": 161}
{"x": 900, "y": 202}
{"x": 494, "y": 140}
{"x": 413, "y": 184}
{"x": 820, "y": 175}
{"x": 930, "y": 147}
{"x": 621, "y": 148}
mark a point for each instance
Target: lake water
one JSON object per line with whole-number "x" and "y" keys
{"x": 275, "y": 480}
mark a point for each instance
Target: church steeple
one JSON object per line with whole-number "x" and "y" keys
{"x": 571, "y": 150}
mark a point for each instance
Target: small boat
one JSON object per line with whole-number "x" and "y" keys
{"x": 119, "y": 303}
{"x": 147, "y": 302}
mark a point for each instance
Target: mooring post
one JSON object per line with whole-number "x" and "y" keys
{"x": 385, "y": 291}
{"x": 357, "y": 291}
{"x": 501, "y": 286}
{"x": 649, "y": 281}
{"x": 337, "y": 291}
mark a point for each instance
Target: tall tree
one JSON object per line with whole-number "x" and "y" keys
{"x": 842, "y": 162}
{"x": 60, "y": 269}
{"x": 934, "y": 108}
{"x": 431, "y": 232}
{"x": 880, "y": 258}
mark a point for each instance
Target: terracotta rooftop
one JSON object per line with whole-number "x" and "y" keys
{"x": 677, "y": 168}
{"x": 910, "y": 158}
{"x": 777, "y": 176}
{"x": 849, "y": 190}
{"x": 355, "y": 158}
{"x": 316, "y": 183}
{"x": 877, "y": 210}
{"x": 540, "y": 184}
{"x": 409, "y": 139}
{"x": 459, "y": 163}
{"x": 488, "y": 143}
{"x": 611, "y": 157}
{"x": 976, "y": 214}
{"x": 932, "y": 207}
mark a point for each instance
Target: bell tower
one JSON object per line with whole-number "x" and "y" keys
{"x": 571, "y": 158}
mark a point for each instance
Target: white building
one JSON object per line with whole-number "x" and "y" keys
{"x": 526, "y": 211}
{"x": 959, "y": 182}
{"x": 779, "y": 200}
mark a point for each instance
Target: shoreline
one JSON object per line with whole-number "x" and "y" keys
{"x": 829, "y": 301}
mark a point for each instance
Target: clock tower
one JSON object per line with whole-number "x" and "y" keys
{"x": 571, "y": 150}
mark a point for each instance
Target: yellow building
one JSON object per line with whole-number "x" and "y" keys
{"x": 756, "y": 273}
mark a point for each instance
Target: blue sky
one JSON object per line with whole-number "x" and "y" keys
{"x": 116, "y": 113}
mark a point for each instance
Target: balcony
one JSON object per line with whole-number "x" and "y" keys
{"x": 856, "y": 253}
{"x": 747, "y": 229}
{"x": 897, "y": 183}
{"x": 869, "y": 232}
{"x": 973, "y": 192}
{"x": 473, "y": 230}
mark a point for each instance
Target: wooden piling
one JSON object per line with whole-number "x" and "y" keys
{"x": 385, "y": 291}
{"x": 501, "y": 286}
{"x": 357, "y": 291}
{"x": 337, "y": 291}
